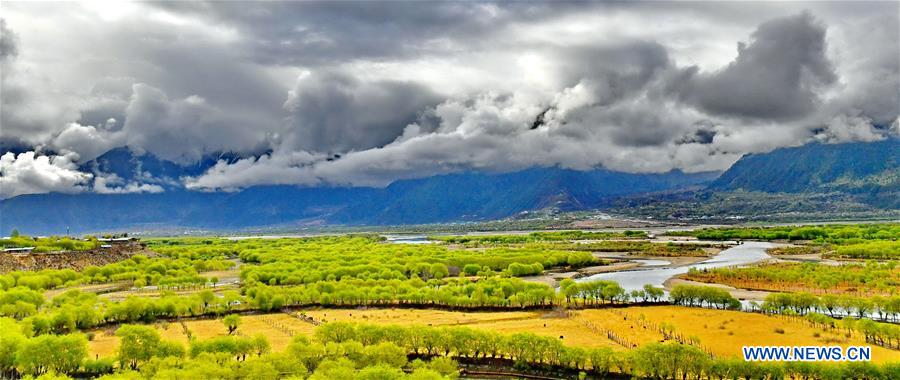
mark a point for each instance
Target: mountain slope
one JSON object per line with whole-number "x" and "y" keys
{"x": 481, "y": 196}
{"x": 456, "y": 197}
{"x": 869, "y": 171}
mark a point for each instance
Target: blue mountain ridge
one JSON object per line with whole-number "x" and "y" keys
{"x": 468, "y": 196}
{"x": 869, "y": 170}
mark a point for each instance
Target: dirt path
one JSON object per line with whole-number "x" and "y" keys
{"x": 553, "y": 278}
{"x": 674, "y": 261}
{"x": 90, "y": 288}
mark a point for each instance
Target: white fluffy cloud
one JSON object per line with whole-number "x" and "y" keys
{"x": 113, "y": 184}
{"x": 87, "y": 142}
{"x": 27, "y": 173}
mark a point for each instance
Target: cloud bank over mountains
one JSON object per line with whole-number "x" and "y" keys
{"x": 363, "y": 94}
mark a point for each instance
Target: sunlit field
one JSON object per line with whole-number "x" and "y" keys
{"x": 721, "y": 332}
{"x": 278, "y": 328}
{"x": 526, "y": 302}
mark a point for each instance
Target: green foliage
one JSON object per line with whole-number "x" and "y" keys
{"x": 477, "y": 240}
{"x": 51, "y": 353}
{"x": 592, "y": 292}
{"x": 98, "y": 367}
{"x": 306, "y": 261}
{"x": 866, "y": 278}
{"x": 231, "y": 322}
{"x": 692, "y": 295}
{"x": 237, "y": 347}
{"x": 455, "y": 292}
{"x": 365, "y": 271}
{"x": 140, "y": 344}
{"x": 877, "y": 250}
{"x": 833, "y": 233}
{"x": 19, "y": 302}
{"x": 672, "y": 360}
{"x": 164, "y": 272}
{"x": 637, "y": 247}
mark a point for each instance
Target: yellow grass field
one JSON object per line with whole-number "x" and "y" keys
{"x": 724, "y": 332}
{"x": 720, "y": 332}
{"x": 279, "y": 329}
{"x": 573, "y": 332}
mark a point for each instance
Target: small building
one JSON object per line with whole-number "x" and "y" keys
{"x": 18, "y": 250}
{"x": 121, "y": 240}
{"x": 106, "y": 246}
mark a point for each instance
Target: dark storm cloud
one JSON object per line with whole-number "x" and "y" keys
{"x": 700, "y": 136}
{"x": 317, "y": 33}
{"x": 621, "y": 70}
{"x": 8, "y": 48}
{"x": 183, "y": 130}
{"x": 777, "y": 75}
{"x": 332, "y": 111}
{"x": 30, "y": 110}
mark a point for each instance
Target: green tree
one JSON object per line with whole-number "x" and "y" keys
{"x": 232, "y": 321}
{"x": 52, "y": 353}
{"x": 138, "y": 345}
{"x": 11, "y": 338}
{"x": 439, "y": 270}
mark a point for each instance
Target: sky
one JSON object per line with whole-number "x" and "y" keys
{"x": 366, "y": 93}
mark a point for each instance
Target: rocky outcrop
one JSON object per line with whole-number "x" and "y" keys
{"x": 76, "y": 260}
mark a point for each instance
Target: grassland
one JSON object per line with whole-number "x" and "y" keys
{"x": 723, "y": 332}
{"x": 719, "y": 332}
{"x": 278, "y": 328}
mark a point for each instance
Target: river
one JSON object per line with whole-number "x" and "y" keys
{"x": 408, "y": 239}
{"x": 746, "y": 253}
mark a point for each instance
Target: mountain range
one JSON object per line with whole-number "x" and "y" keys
{"x": 868, "y": 171}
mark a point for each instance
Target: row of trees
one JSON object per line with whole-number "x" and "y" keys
{"x": 836, "y": 234}
{"x": 637, "y": 247}
{"x": 307, "y": 261}
{"x": 461, "y": 293}
{"x": 592, "y": 292}
{"x": 703, "y": 296}
{"x": 143, "y": 354}
{"x": 452, "y": 292}
{"x": 882, "y": 308}
{"x": 76, "y": 310}
{"x": 655, "y": 360}
{"x": 870, "y": 250}
{"x": 20, "y": 352}
{"x": 345, "y": 350}
{"x": 883, "y": 334}
{"x": 867, "y": 278}
{"x": 481, "y": 240}
{"x": 463, "y": 342}
{"x": 138, "y": 270}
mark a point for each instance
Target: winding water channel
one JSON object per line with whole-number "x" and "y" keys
{"x": 652, "y": 271}
{"x": 635, "y": 279}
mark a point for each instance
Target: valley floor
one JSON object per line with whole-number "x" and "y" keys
{"x": 719, "y": 332}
